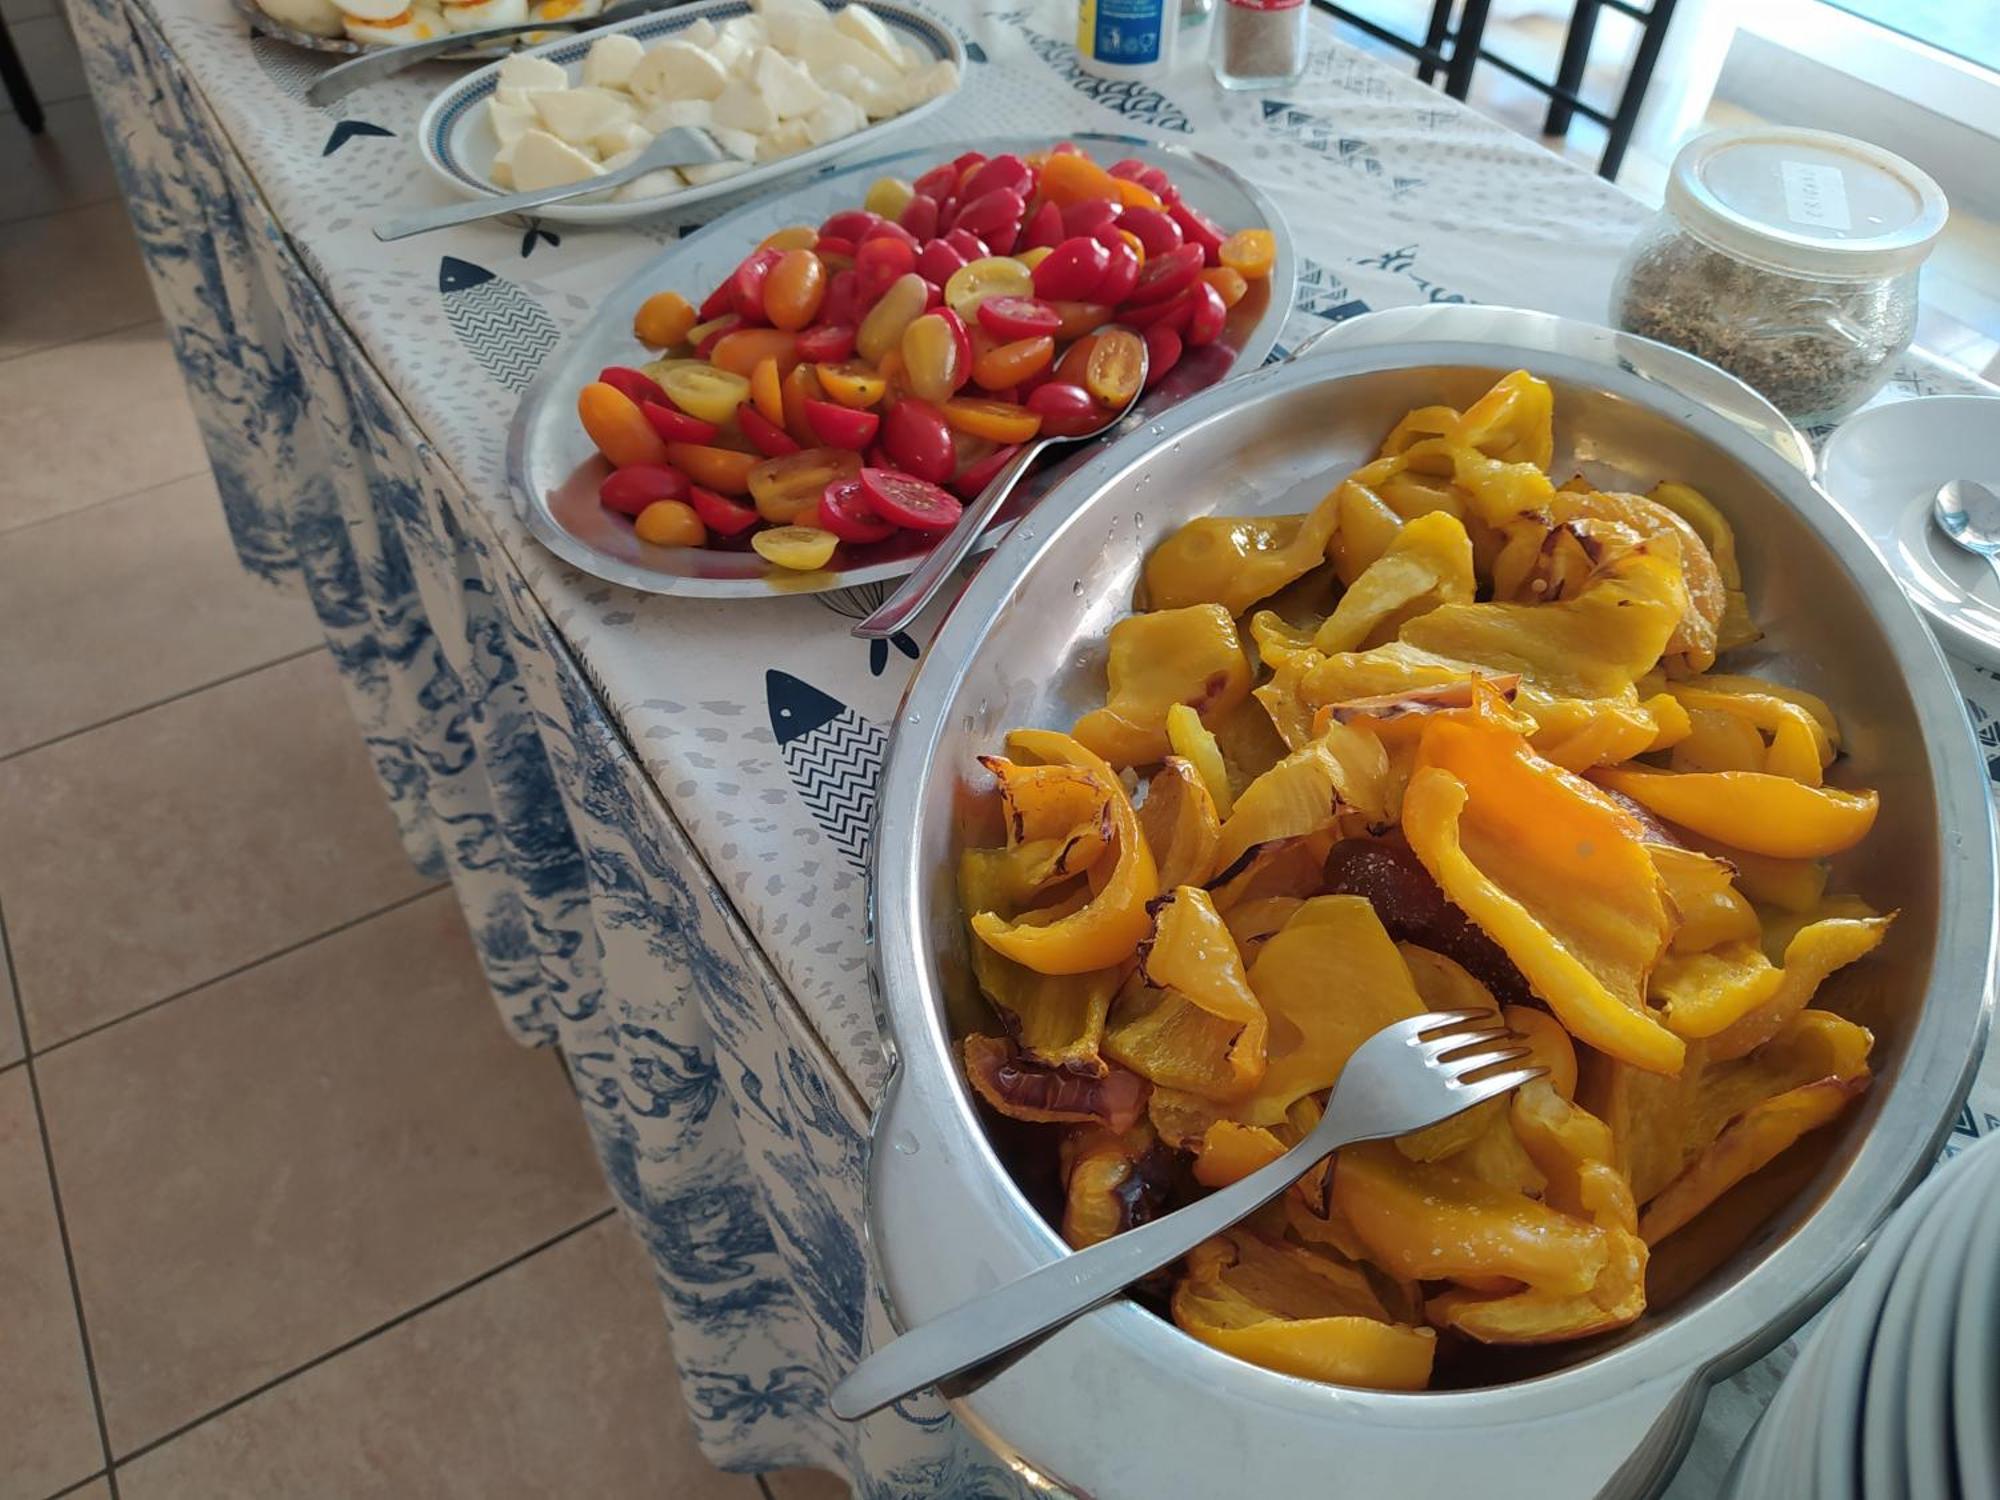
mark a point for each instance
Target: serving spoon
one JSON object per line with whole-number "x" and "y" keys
{"x": 1408, "y": 1075}
{"x": 923, "y": 582}
{"x": 1968, "y": 512}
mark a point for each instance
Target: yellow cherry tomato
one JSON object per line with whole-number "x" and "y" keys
{"x": 989, "y": 276}
{"x": 1249, "y": 253}
{"x": 800, "y": 548}
{"x": 1034, "y": 257}
{"x": 791, "y": 237}
{"x": 1138, "y": 246}
{"x": 1228, "y": 282}
{"x": 999, "y": 421}
{"x": 1115, "y": 366}
{"x": 852, "y": 383}
{"x": 767, "y": 390}
{"x": 705, "y": 392}
{"x": 663, "y": 320}
{"x": 1137, "y": 194}
{"x": 900, "y": 306}
{"x": 888, "y": 196}
{"x": 670, "y": 523}
{"x": 784, "y": 488}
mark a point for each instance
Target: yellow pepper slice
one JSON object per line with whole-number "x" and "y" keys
{"x": 1197, "y": 747}
{"x": 1158, "y": 661}
{"x": 1814, "y": 952}
{"x": 1236, "y": 560}
{"x": 1192, "y": 953}
{"x": 1429, "y": 563}
{"x": 1701, "y": 891}
{"x": 1764, "y": 814}
{"x": 1179, "y": 823}
{"x": 1304, "y": 792}
{"x": 1098, "y": 1167}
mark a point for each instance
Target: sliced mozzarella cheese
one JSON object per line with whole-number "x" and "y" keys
{"x": 748, "y": 30}
{"x": 699, "y": 32}
{"x": 866, "y": 28}
{"x": 741, "y": 144}
{"x": 542, "y": 161}
{"x": 509, "y": 120}
{"x": 702, "y": 176}
{"x": 795, "y": 10}
{"x": 525, "y": 75}
{"x": 839, "y": 116}
{"x": 912, "y": 58}
{"x": 577, "y": 116}
{"x": 878, "y": 100}
{"x": 785, "y": 86}
{"x": 940, "y": 78}
{"x": 502, "y": 172}
{"x": 610, "y": 61}
{"x": 787, "y": 138}
{"x": 663, "y": 183}
{"x": 618, "y": 140}
{"x": 742, "y": 107}
{"x": 825, "y": 53}
{"x": 675, "y": 112}
{"x": 676, "y": 70}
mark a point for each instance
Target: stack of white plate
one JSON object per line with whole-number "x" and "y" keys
{"x": 1896, "y": 1395}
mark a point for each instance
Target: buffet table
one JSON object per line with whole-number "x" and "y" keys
{"x": 655, "y": 811}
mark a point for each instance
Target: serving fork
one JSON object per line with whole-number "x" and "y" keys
{"x": 1408, "y": 1075}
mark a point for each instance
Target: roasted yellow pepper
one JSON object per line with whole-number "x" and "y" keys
{"x": 1428, "y": 564}
{"x": 1764, "y": 814}
{"x": 1179, "y": 824}
{"x": 1171, "y": 656}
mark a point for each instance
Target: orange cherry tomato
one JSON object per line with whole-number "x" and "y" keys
{"x": 739, "y": 352}
{"x": 1136, "y": 194}
{"x": 1115, "y": 367}
{"x": 794, "y": 290}
{"x": 785, "y": 488}
{"x": 1249, "y": 253}
{"x": 800, "y": 386}
{"x": 720, "y": 469}
{"x": 1005, "y": 366}
{"x": 1138, "y": 245}
{"x": 663, "y": 320}
{"x": 670, "y": 523}
{"x": 852, "y": 383}
{"x": 1080, "y": 317}
{"x": 767, "y": 390}
{"x": 791, "y": 237}
{"x": 1071, "y": 177}
{"x": 617, "y": 426}
{"x": 1228, "y": 281}
{"x": 1075, "y": 360}
{"x": 890, "y": 368}
{"x": 1001, "y": 421}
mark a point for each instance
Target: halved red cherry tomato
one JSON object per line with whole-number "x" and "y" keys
{"x": 1207, "y": 313}
{"x": 938, "y": 260}
{"x": 631, "y": 489}
{"x": 1115, "y": 368}
{"x": 1163, "y": 352}
{"x": 937, "y": 182}
{"x": 878, "y": 264}
{"x": 1198, "y": 229}
{"x": 968, "y": 244}
{"x": 1164, "y": 275}
{"x": 766, "y": 436}
{"x": 843, "y": 299}
{"x": 720, "y": 513}
{"x": 916, "y": 439}
{"x": 834, "y": 254}
{"x": 1010, "y": 318}
{"x": 1007, "y": 365}
{"x": 717, "y": 302}
{"x": 1066, "y": 410}
{"x": 974, "y": 477}
{"x": 636, "y": 384}
{"x": 677, "y": 426}
{"x": 1003, "y": 171}
{"x": 1156, "y": 229}
{"x": 1174, "y": 311}
{"x": 1086, "y": 216}
{"x": 1073, "y": 270}
{"x": 905, "y": 501}
{"x": 747, "y": 284}
{"x": 921, "y": 216}
{"x": 852, "y": 428}
{"x": 1121, "y": 274}
{"x": 991, "y": 215}
{"x": 850, "y": 224}
{"x": 1044, "y": 227}
{"x": 844, "y": 511}
{"x": 888, "y": 229}
{"x": 829, "y": 343}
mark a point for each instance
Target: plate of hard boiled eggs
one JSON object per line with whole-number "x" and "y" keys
{"x": 778, "y": 85}
{"x": 358, "y": 25}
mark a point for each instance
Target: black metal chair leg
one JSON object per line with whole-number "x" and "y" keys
{"x": 1650, "y": 38}
{"x": 1569, "y": 73}
{"x": 1465, "y": 48}
{"x": 1440, "y": 27}
{"x": 20, "y": 92}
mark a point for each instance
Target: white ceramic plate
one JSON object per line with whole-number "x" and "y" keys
{"x": 271, "y": 26}
{"x": 1926, "y": 1394}
{"x": 1883, "y": 467}
{"x": 1975, "y": 1352}
{"x": 458, "y": 145}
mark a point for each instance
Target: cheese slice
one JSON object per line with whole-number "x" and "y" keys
{"x": 541, "y": 161}
{"x": 509, "y": 120}
{"x": 698, "y": 113}
{"x": 677, "y": 70}
{"x": 742, "y": 107}
{"x": 865, "y": 27}
{"x": 619, "y": 139}
{"x": 578, "y": 116}
{"x": 527, "y": 74}
{"x": 839, "y": 116}
{"x": 610, "y": 61}
{"x": 785, "y": 86}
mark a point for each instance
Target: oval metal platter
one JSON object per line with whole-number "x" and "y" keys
{"x": 556, "y": 472}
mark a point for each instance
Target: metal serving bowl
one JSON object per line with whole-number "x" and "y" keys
{"x": 1121, "y": 1403}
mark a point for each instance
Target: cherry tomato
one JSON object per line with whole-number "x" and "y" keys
{"x": 1163, "y": 352}
{"x": 834, "y": 254}
{"x": 670, "y": 523}
{"x": 1007, "y": 365}
{"x": 916, "y": 438}
{"x": 663, "y": 320}
{"x": 800, "y": 548}
{"x": 719, "y": 301}
{"x": 1000, "y": 421}
{"x": 676, "y": 426}
{"x": 993, "y": 276}
{"x": 904, "y": 501}
{"x": 766, "y": 436}
{"x": 747, "y": 284}
{"x": 992, "y": 214}
{"x": 1166, "y": 274}
{"x": 1206, "y": 315}
{"x": 615, "y": 423}
{"x": 841, "y": 426}
{"x": 1121, "y": 274}
{"x": 938, "y": 260}
{"x": 1173, "y": 312}
{"x": 937, "y": 182}
{"x": 801, "y": 385}
{"x": 739, "y": 351}
{"x": 1079, "y": 318}
{"x": 1249, "y": 253}
{"x": 1137, "y": 195}
{"x": 785, "y": 487}
{"x": 1229, "y": 284}
{"x": 719, "y": 513}
{"x": 1044, "y": 229}
{"x": 1073, "y": 270}
{"x": 791, "y": 237}
{"x": 852, "y": 383}
{"x": 843, "y": 299}
{"x": 634, "y": 383}
{"x": 888, "y": 229}
{"x": 974, "y": 477}
{"x": 793, "y": 290}
{"x": 886, "y": 196}
{"x": 844, "y": 511}
{"x": 767, "y": 389}
{"x": 1116, "y": 367}
{"x": 1198, "y": 229}
{"x": 1004, "y": 171}
{"x": 968, "y": 244}
{"x": 721, "y": 469}
{"x": 705, "y": 336}
{"x": 877, "y": 265}
{"x": 1010, "y": 318}
{"x": 899, "y": 306}
{"x": 1088, "y": 215}
{"x": 921, "y": 216}
{"x": 1111, "y": 237}
{"x": 1066, "y": 410}
{"x": 631, "y": 489}
{"x": 850, "y": 224}
{"x": 1075, "y": 360}
{"x": 1131, "y": 169}
{"x": 1157, "y": 231}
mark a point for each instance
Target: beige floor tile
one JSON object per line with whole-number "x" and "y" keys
{"x": 77, "y": 591}
{"x": 71, "y": 275}
{"x": 48, "y": 52}
{"x": 97, "y": 1489}
{"x": 21, "y": 10}
{"x": 93, "y": 420}
{"x": 10, "y": 1021}
{"x": 552, "y": 1379}
{"x": 154, "y": 853}
{"x": 64, "y": 166}
{"x": 279, "y": 1162}
{"x": 806, "y": 1484}
{"x": 48, "y": 1431}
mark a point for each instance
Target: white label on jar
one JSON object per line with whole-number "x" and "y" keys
{"x": 1815, "y": 195}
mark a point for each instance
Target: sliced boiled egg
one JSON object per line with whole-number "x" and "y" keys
{"x": 470, "y": 15}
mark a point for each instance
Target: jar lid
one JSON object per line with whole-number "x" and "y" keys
{"x": 1806, "y": 201}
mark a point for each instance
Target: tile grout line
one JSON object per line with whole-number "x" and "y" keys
{"x": 763, "y": 1488}
{"x": 102, "y": 333}
{"x": 215, "y": 979}
{"x": 83, "y": 510}
{"x": 62, "y": 1219}
{"x": 361, "y": 1338}
{"x": 133, "y": 713}
{"x": 83, "y": 1483}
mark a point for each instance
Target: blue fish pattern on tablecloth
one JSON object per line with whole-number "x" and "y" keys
{"x": 505, "y": 329}
{"x": 859, "y": 602}
{"x": 1325, "y": 136}
{"x": 834, "y": 757}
